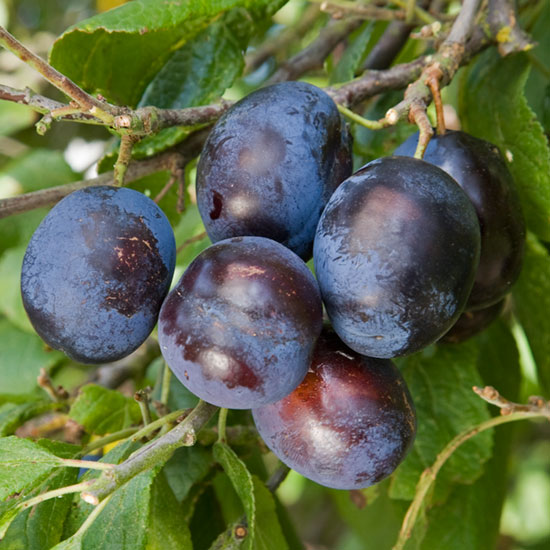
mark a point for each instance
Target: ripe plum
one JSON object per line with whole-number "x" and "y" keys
{"x": 471, "y": 323}
{"x": 481, "y": 171}
{"x": 96, "y": 271}
{"x": 395, "y": 253}
{"x": 348, "y": 424}
{"x": 239, "y": 328}
{"x": 270, "y": 165}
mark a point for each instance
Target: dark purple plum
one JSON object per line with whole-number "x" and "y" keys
{"x": 471, "y": 323}
{"x": 349, "y": 424}
{"x": 395, "y": 254}
{"x": 481, "y": 171}
{"x": 270, "y": 165}
{"x": 239, "y": 328}
{"x": 96, "y": 271}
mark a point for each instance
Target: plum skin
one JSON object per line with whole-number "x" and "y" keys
{"x": 239, "y": 328}
{"x": 95, "y": 273}
{"x": 271, "y": 163}
{"x": 473, "y": 322}
{"x": 348, "y": 425}
{"x": 395, "y": 254}
{"x": 479, "y": 168}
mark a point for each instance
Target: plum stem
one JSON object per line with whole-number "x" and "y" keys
{"x": 510, "y": 412}
{"x": 143, "y": 398}
{"x": 370, "y": 124}
{"x": 222, "y": 422}
{"x": 166, "y": 378}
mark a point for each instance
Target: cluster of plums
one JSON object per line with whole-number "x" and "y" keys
{"x": 402, "y": 248}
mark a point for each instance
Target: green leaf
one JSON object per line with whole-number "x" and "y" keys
{"x": 241, "y": 479}
{"x": 470, "y": 517}
{"x": 532, "y": 304}
{"x": 440, "y": 380}
{"x": 42, "y": 526}
{"x": 188, "y": 466}
{"x": 123, "y": 523}
{"x": 101, "y": 411}
{"x": 12, "y": 415}
{"x": 23, "y": 465}
{"x": 268, "y": 533}
{"x": 11, "y": 304}
{"x": 118, "y": 53}
{"x": 378, "y": 523}
{"x": 195, "y": 75}
{"x": 14, "y": 117}
{"x": 37, "y": 169}
{"x": 537, "y": 89}
{"x": 22, "y": 355}
{"x": 165, "y": 526}
{"x": 493, "y": 107}
{"x": 353, "y": 55}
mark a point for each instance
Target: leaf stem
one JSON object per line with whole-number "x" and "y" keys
{"x": 78, "y": 488}
{"x": 89, "y": 520}
{"x": 511, "y": 412}
{"x": 116, "y": 436}
{"x": 89, "y": 464}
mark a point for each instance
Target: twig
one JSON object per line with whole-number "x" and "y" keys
{"x": 58, "y": 394}
{"x": 157, "y": 451}
{"x": 510, "y": 412}
{"x": 388, "y": 46}
{"x": 124, "y": 157}
{"x": 142, "y": 398}
{"x": 342, "y": 8}
{"x": 88, "y": 103}
{"x": 503, "y": 21}
{"x": 282, "y": 40}
{"x": 190, "y": 241}
{"x": 312, "y": 56}
{"x": 188, "y": 149}
{"x": 447, "y": 60}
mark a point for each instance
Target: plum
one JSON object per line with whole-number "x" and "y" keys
{"x": 348, "y": 425}
{"x": 471, "y": 323}
{"x": 96, "y": 271}
{"x": 239, "y": 328}
{"x": 271, "y": 163}
{"x": 395, "y": 254}
{"x": 480, "y": 169}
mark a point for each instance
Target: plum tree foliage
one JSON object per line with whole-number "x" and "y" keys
{"x": 213, "y": 147}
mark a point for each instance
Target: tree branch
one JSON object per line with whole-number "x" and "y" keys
{"x": 155, "y": 452}
{"x": 313, "y": 56}
{"x": 186, "y": 150}
{"x": 88, "y": 103}
{"x": 503, "y": 22}
{"x": 447, "y": 60}
{"x": 281, "y": 41}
